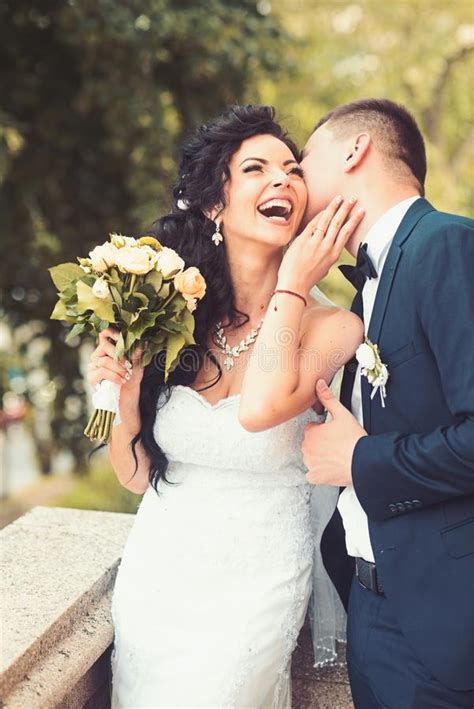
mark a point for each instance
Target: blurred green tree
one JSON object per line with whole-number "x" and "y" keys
{"x": 417, "y": 52}
{"x": 95, "y": 98}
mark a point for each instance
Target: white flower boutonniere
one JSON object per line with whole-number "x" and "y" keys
{"x": 373, "y": 368}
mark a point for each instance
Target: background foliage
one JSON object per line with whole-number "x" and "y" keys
{"x": 96, "y": 96}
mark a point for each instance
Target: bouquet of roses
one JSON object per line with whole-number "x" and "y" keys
{"x": 142, "y": 290}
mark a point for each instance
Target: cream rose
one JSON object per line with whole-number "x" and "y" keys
{"x": 169, "y": 262}
{"x": 136, "y": 259}
{"x": 100, "y": 289}
{"x": 191, "y": 284}
{"x": 103, "y": 256}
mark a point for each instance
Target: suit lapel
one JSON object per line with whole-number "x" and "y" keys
{"x": 418, "y": 210}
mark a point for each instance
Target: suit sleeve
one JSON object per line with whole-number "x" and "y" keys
{"x": 429, "y": 468}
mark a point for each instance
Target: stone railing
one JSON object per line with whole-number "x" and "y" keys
{"x": 58, "y": 571}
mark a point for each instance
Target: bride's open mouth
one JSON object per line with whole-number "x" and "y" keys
{"x": 277, "y": 211}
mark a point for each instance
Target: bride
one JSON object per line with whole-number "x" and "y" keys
{"x": 215, "y": 577}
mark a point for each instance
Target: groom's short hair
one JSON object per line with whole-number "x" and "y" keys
{"x": 393, "y": 129}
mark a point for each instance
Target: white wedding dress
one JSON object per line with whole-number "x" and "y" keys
{"x": 215, "y": 577}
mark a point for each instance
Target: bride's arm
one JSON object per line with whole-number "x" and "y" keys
{"x": 297, "y": 349}
{"x": 103, "y": 366}
{"x": 298, "y": 345}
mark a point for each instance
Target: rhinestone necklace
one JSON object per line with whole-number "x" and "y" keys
{"x": 231, "y": 352}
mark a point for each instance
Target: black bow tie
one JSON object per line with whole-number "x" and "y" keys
{"x": 363, "y": 269}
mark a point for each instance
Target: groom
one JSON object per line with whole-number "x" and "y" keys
{"x": 405, "y": 518}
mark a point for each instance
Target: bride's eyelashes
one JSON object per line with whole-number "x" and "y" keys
{"x": 297, "y": 171}
{"x": 294, "y": 170}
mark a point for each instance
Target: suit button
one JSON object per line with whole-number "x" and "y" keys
{"x": 393, "y": 509}
{"x": 400, "y": 507}
{"x": 408, "y": 505}
{"x": 417, "y": 503}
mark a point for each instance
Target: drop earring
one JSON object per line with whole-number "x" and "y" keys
{"x": 217, "y": 236}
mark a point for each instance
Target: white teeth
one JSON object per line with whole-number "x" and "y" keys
{"x": 284, "y": 203}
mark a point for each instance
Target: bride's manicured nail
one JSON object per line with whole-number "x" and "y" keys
{"x": 353, "y": 200}
{"x": 361, "y": 210}
{"x": 128, "y": 376}
{"x": 338, "y": 199}
{"x": 128, "y": 364}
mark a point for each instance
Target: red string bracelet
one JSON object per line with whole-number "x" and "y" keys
{"x": 290, "y": 292}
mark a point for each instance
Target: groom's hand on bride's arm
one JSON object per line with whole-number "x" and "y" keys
{"x": 328, "y": 448}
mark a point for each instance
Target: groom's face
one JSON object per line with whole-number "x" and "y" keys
{"x": 323, "y": 165}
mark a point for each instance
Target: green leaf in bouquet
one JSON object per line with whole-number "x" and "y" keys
{"x": 157, "y": 340}
{"x": 173, "y": 326}
{"x": 86, "y": 300}
{"x": 169, "y": 276}
{"x": 97, "y": 323}
{"x": 145, "y": 321}
{"x": 147, "y": 357}
{"x": 189, "y": 337}
{"x": 148, "y": 290}
{"x": 69, "y": 294}
{"x": 78, "y": 329}
{"x": 129, "y": 339}
{"x": 155, "y": 279}
{"x": 188, "y": 319}
{"x": 120, "y": 347}
{"x": 60, "y": 312}
{"x": 64, "y": 273}
{"x": 89, "y": 280}
{"x": 144, "y": 300}
{"x": 126, "y": 317}
{"x": 174, "y": 345}
{"x": 164, "y": 291}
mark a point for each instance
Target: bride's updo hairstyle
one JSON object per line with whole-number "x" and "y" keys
{"x": 203, "y": 173}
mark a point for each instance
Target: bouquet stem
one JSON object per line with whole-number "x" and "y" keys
{"x": 99, "y": 427}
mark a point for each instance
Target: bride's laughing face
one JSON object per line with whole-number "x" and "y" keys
{"x": 266, "y": 194}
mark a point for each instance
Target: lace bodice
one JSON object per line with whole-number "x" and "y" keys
{"x": 210, "y": 437}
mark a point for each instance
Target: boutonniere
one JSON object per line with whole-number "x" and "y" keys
{"x": 373, "y": 368}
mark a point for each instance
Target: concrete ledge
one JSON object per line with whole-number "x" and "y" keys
{"x": 58, "y": 571}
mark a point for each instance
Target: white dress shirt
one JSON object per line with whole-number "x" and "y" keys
{"x": 379, "y": 239}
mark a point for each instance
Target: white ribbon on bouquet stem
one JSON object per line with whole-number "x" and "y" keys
{"x": 106, "y": 397}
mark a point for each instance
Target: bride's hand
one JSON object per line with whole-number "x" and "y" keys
{"x": 102, "y": 365}
{"x": 318, "y": 247}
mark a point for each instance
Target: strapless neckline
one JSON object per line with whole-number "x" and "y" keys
{"x": 222, "y": 402}
{"x": 197, "y": 395}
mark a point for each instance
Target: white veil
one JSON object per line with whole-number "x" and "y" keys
{"x": 326, "y": 612}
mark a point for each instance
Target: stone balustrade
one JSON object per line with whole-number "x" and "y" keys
{"x": 58, "y": 571}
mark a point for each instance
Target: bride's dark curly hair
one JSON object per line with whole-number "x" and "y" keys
{"x": 203, "y": 173}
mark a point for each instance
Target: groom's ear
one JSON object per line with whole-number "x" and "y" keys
{"x": 356, "y": 151}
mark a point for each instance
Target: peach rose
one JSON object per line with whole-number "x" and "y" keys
{"x": 191, "y": 284}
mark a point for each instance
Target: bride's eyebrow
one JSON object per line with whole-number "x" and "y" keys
{"x": 265, "y": 162}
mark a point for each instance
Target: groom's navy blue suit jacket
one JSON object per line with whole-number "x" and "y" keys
{"x": 414, "y": 473}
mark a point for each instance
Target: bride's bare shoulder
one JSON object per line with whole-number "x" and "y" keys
{"x": 331, "y": 320}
